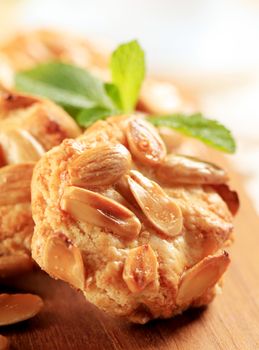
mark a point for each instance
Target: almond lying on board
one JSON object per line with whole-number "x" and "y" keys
{"x": 18, "y": 307}
{"x": 100, "y": 166}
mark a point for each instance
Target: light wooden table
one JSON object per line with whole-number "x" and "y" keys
{"x": 231, "y": 322}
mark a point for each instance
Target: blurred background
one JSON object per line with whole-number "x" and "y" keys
{"x": 209, "y": 47}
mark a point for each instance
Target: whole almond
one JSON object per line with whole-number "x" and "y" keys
{"x": 96, "y": 209}
{"x": 140, "y": 268}
{"x": 100, "y": 166}
{"x": 144, "y": 142}
{"x": 161, "y": 210}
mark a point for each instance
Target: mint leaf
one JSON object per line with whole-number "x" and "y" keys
{"x": 114, "y": 94}
{"x": 60, "y": 96}
{"x": 87, "y": 117}
{"x": 70, "y": 86}
{"x": 128, "y": 70}
{"x": 206, "y": 130}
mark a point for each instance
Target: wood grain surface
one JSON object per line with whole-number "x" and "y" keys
{"x": 68, "y": 322}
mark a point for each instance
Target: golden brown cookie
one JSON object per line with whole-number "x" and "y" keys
{"x": 141, "y": 235}
{"x": 30, "y": 48}
{"x": 29, "y": 126}
{"x": 27, "y": 49}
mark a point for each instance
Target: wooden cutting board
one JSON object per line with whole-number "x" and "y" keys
{"x": 68, "y": 322}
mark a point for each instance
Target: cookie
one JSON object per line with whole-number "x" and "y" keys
{"x": 29, "y": 126}
{"x": 30, "y": 48}
{"x": 140, "y": 233}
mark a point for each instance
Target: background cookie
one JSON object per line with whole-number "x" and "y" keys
{"x": 29, "y": 126}
{"x": 30, "y": 48}
{"x": 137, "y": 244}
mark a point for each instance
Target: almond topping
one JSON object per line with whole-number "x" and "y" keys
{"x": 202, "y": 276}
{"x": 10, "y": 100}
{"x": 18, "y": 307}
{"x": 161, "y": 210}
{"x": 96, "y": 209}
{"x": 140, "y": 268}
{"x": 100, "y": 166}
{"x": 230, "y": 197}
{"x": 189, "y": 170}
{"x": 19, "y": 146}
{"x": 4, "y": 343}
{"x": 15, "y": 183}
{"x": 64, "y": 261}
{"x": 144, "y": 142}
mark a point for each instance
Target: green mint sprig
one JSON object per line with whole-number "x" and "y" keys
{"x": 128, "y": 72}
{"x": 89, "y": 99}
{"x": 69, "y": 86}
{"x": 209, "y": 131}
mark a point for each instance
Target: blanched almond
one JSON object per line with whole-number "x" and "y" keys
{"x": 230, "y": 197}
{"x": 144, "y": 142}
{"x": 64, "y": 261}
{"x": 4, "y": 343}
{"x": 140, "y": 268}
{"x": 19, "y": 146}
{"x": 14, "y": 264}
{"x": 161, "y": 210}
{"x": 100, "y": 166}
{"x": 202, "y": 276}
{"x": 95, "y": 209}
{"x": 15, "y": 183}
{"x": 188, "y": 170}
{"x": 18, "y": 307}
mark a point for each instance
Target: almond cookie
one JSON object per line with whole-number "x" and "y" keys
{"x": 140, "y": 233}
{"x": 29, "y": 126}
{"x": 30, "y": 48}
